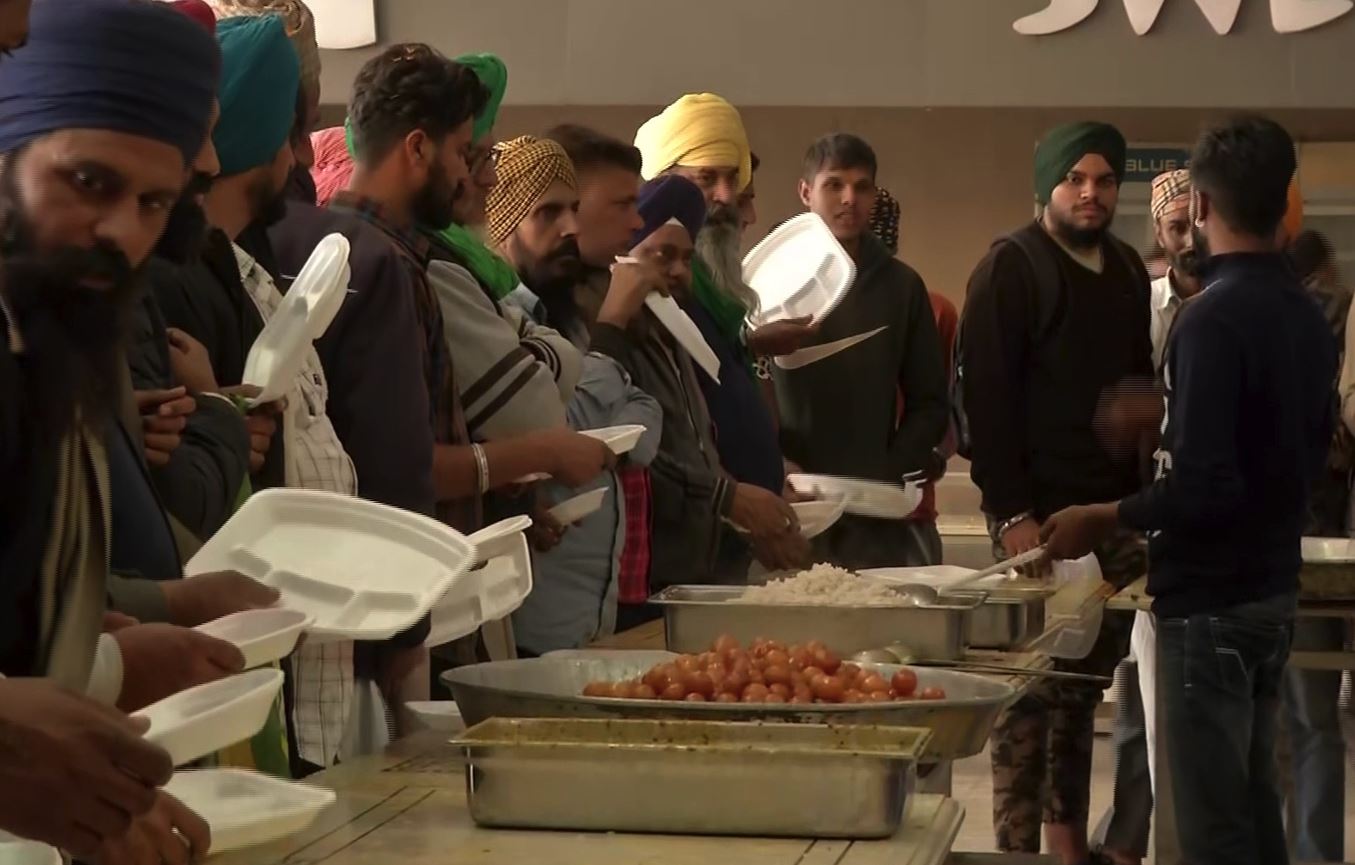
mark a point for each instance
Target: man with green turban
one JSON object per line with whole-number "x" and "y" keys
{"x": 1056, "y": 319}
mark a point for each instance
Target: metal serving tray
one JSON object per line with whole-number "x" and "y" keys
{"x": 694, "y": 616}
{"x": 691, "y": 777}
{"x": 552, "y": 688}
{"x": 1007, "y": 620}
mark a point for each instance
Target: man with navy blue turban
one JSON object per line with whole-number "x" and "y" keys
{"x": 101, "y": 112}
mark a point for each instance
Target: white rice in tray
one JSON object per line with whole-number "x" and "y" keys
{"x": 824, "y": 585}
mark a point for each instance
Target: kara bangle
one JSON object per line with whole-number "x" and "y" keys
{"x": 1010, "y": 523}
{"x": 481, "y": 468}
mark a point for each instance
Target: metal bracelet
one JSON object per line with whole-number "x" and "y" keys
{"x": 481, "y": 469}
{"x": 1009, "y": 523}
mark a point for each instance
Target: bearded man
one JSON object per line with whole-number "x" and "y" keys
{"x": 701, "y": 137}
{"x": 1056, "y": 318}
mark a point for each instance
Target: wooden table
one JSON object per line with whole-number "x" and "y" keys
{"x": 408, "y": 807}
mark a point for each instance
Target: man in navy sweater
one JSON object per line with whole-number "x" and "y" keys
{"x": 1248, "y": 377}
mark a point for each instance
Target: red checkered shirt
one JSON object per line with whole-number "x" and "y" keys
{"x": 633, "y": 577}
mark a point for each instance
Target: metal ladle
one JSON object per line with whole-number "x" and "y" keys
{"x": 902, "y": 655}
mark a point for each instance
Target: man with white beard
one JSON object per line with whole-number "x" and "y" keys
{"x": 701, "y": 137}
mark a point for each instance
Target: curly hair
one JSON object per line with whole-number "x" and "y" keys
{"x": 406, "y": 88}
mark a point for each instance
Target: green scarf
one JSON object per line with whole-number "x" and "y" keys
{"x": 488, "y": 267}
{"x": 728, "y": 313}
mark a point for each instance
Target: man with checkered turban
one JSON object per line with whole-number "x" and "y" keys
{"x": 1170, "y": 209}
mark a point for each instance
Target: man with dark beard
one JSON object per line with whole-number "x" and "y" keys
{"x": 1056, "y": 318}
{"x": 1248, "y": 425}
{"x": 701, "y": 137}
{"x": 580, "y": 578}
{"x": 97, "y": 134}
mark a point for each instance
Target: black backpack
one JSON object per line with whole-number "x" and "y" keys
{"x": 1049, "y": 311}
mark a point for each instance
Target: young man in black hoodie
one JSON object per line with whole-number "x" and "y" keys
{"x": 1248, "y": 378}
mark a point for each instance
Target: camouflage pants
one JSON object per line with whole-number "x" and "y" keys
{"x": 1042, "y": 743}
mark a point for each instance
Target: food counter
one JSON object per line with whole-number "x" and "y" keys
{"x": 408, "y": 806}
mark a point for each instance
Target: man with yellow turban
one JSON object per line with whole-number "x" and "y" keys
{"x": 701, "y": 137}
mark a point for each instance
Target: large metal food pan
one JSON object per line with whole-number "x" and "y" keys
{"x": 552, "y": 688}
{"x": 694, "y": 616}
{"x": 1006, "y": 622}
{"x": 691, "y": 777}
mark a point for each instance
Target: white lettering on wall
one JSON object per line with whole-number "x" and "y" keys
{"x": 1286, "y": 16}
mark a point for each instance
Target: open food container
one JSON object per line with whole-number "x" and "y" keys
{"x": 501, "y": 579}
{"x": 1328, "y": 571}
{"x": 694, "y": 616}
{"x": 861, "y": 497}
{"x": 691, "y": 777}
{"x": 245, "y": 809}
{"x": 552, "y": 687}
{"x": 1012, "y": 612}
{"x": 798, "y": 270}
{"x": 262, "y": 636}
{"x": 205, "y": 719}
{"x": 361, "y": 570}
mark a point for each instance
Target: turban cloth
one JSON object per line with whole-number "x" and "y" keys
{"x": 884, "y": 220}
{"x": 700, "y": 130}
{"x": 300, "y": 26}
{"x": 1171, "y": 191}
{"x": 138, "y": 68}
{"x": 1065, "y": 146}
{"x": 199, "y": 11}
{"x": 260, "y": 75}
{"x": 1293, "y": 215}
{"x": 528, "y": 166}
{"x": 333, "y": 166}
{"x": 670, "y": 199}
{"x": 493, "y": 74}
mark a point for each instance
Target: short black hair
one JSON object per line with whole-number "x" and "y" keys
{"x": 839, "y": 150}
{"x": 406, "y": 88}
{"x": 1310, "y": 252}
{"x": 589, "y": 149}
{"x": 1245, "y": 166}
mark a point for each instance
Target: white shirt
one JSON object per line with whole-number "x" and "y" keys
{"x": 1165, "y": 304}
{"x": 323, "y": 674}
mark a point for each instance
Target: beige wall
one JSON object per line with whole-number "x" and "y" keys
{"x": 962, "y": 176}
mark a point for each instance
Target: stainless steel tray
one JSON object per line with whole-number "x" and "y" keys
{"x": 552, "y": 688}
{"x": 694, "y": 616}
{"x": 1006, "y": 621}
{"x": 691, "y": 777}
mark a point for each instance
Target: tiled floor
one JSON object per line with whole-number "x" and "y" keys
{"x": 972, "y": 785}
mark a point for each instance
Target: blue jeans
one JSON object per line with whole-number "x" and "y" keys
{"x": 1318, "y": 810}
{"x": 1219, "y": 680}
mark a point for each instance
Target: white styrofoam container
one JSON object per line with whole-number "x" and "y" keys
{"x": 17, "y": 851}
{"x": 798, "y": 270}
{"x": 362, "y": 570}
{"x": 500, "y": 582}
{"x": 863, "y": 498}
{"x": 205, "y": 719}
{"x": 245, "y": 809}
{"x": 570, "y": 511}
{"x": 685, "y": 331}
{"x": 441, "y": 716}
{"x": 621, "y": 439}
{"x": 818, "y": 516}
{"x": 306, "y": 311}
{"x": 262, "y": 636}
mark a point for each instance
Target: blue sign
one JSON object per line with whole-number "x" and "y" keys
{"x": 1142, "y": 164}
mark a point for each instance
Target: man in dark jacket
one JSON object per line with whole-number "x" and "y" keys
{"x": 828, "y": 427}
{"x": 1249, "y": 421}
{"x": 1056, "y": 316}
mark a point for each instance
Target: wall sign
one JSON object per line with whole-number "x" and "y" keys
{"x": 1286, "y": 16}
{"x": 344, "y": 23}
{"x": 1142, "y": 164}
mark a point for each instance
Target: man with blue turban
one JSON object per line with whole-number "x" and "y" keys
{"x": 101, "y": 112}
